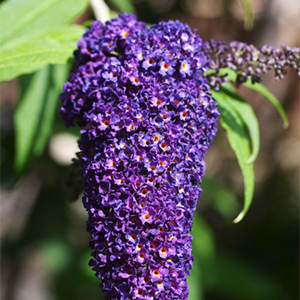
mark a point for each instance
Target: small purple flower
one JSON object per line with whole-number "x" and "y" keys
{"x": 147, "y": 119}
{"x": 185, "y": 68}
{"x": 166, "y": 66}
{"x": 149, "y": 62}
{"x": 248, "y": 61}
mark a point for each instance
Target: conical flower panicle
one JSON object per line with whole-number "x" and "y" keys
{"x": 248, "y": 61}
{"x": 148, "y": 119}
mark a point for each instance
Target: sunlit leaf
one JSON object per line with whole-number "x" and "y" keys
{"x": 31, "y": 56}
{"x": 271, "y": 97}
{"x": 70, "y": 33}
{"x": 113, "y": 14}
{"x": 239, "y": 142}
{"x": 123, "y": 5}
{"x": 248, "y": 117}
{"x": 19, "y": 18}
{"x": 230, "y": 74}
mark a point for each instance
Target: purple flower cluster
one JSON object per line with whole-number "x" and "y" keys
{"x": 248, "y": 61}
{"x": 148, "y": 119}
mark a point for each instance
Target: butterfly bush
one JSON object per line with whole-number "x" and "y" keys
{"x": 247, "y": 61}
{"x": 142, "y": 100}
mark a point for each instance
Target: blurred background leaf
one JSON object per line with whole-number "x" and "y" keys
{"x": 220, "y": 197}
{"x": 249, "y": 16}
{"x": 240, "y": 280}
{"x": 122, "y": 5}
{"x": 55, "y": 255}
{"x": 203, "y": 252}
{"x": 29, "y": 113}
{"x": 34, "y": 116}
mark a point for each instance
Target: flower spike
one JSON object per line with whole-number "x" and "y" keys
{"x": 248, "y": 61}
{"x": 147, "y": 120}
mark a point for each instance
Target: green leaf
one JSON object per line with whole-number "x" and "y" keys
{"x": 63, "y": 33}
{"x": 248, "y": 117}
{"x": 249, "y": 16}
{"x": 239, "y": 142}
{"x": 221, "y": 198}
{"x": 28, "y": 57}
{"x": 113, "y": 14}
{"x": 20, "y": 18}
{"x": 123, "y": 5}
{"x": 271, "y": 97}
{"x": 34, "y": 116}
{"x": 231, "y": 76}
